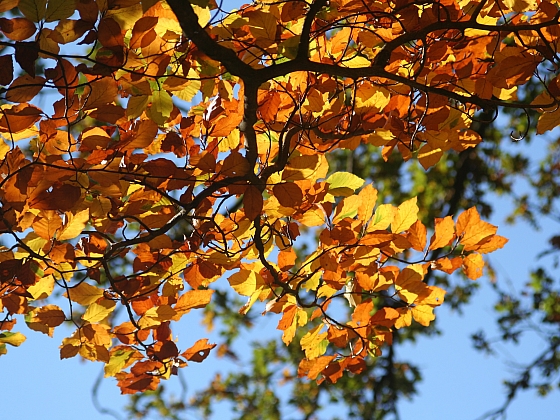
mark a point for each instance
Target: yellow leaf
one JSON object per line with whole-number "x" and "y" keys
{"x": 369, "y": 97}
{"x": 97, "y": 312}
{"x": 84, "y": 294}
{"x": 308, "y": 167}
{"x": 383, "y": 217}
{"x": 13, "y": 339}
{"x": 405, "y": 216}
{"x": 521, "y": 5}
{"x": 74, "y": 225}
{"x": 314, "y": 343}
{"x": 190, "y": 89}
{"x": 315, "y": 216}
{"x": 423, "y": 314}
{"x": 43, "y": 288}
{"x": 120, "y": 360}
{"x": 245, "y": 282}
{"x": 343, "y": 183}
{"x": 348, "y": 207}
{"x": 203, "y": 14}
{"x": 160, "y": 313}
{"x": 444, "y": 233}
{"x": 409, "y": 284}
{"x": 405, "y": 318}
{"x": 161, "y": 108}
{"x": 4, "y": 149}
{"x": 357, "y": 61}
{"x": 473, "y": 266}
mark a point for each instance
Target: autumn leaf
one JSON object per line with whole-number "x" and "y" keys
{"x": 98, "y": 311}
{"x": 252, "y": 202}
{"x": 314, "y": 343}
{"x": 13, "y": 339}
{"x": 443, "y": 234}
{"x": 343, "y": 183}
{"x": 119, "y": 196}
{"x": 193, "y": 299}
{"x": 472, "y": 230}
{"x": 405, "y": 216}
{"x": 473, "y": 266}
{"x": 84, "y": 294}
{"x": 73, "y": 225}
{"x": 199, "y": 351}
{"x": 245, "y": 282}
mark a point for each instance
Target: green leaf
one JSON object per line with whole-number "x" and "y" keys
{"x": 344, "y": 183}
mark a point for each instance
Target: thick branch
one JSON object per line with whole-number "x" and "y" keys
{"x": 204, "y": 42}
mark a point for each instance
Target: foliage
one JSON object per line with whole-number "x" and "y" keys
{"x": 187, "y": 144}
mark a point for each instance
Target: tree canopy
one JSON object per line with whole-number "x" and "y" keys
{"x": 163, "y": 157}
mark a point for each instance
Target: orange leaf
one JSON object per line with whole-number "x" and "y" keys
{"x": 312, "y": 368}
{"x": 286, "y": 259}
{"x": 99, "y": 92}
{"x": 444, "y": 233}
{"x": 472, "y": 230}
{"x": 193, "y": 299}
{"x": 199, "y": 351}
{"x": 417, "y": 236}
{"x": 368, "y": 196}
{"x": 473, "y": 266}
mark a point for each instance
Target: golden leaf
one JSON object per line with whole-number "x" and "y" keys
{"x": 405, "y": 216}
{"x": 97, "y": 312}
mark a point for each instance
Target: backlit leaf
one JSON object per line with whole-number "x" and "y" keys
{"x": 98, "y": 311}
{"x": 405, "y": 216}
{"x": 314, "y": 343}
{"x": 344, "y": 183}
{"x": 444, "y": 233}
{"x": 84, "y": 294}
{"x": 473, "y": 266}
{"x": 74, "y": 225}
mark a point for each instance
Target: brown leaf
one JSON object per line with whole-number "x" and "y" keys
{"x": 17, "y": 29}
{"x": 26, "y": 55}
{"x": 252, "y": 202}
{"x": 25, "y": 88}
{"x": 288, "y": 194}
{"x": 6, "y": 69}
{"x": 18, "y": 118}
